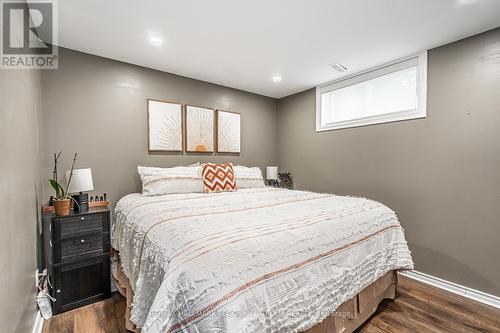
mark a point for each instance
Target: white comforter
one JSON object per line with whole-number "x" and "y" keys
{"x": 255, "y": 260}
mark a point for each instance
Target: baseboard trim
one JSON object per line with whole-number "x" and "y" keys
{"x": 455, "y": 288}
{"x": 38, "y": 326}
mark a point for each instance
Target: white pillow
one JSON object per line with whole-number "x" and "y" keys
{"x": 248, "y": 177}
{"x": 160, "y": 181}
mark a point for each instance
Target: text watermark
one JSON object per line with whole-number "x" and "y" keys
{"x": 29, "y": 34}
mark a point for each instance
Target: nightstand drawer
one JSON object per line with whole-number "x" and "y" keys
{"x": 74, "y": 225}
{"x": 83, "y": 246}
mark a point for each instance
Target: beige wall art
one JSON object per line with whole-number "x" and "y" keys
{"x": 164, "y": 126}
{"x": 228, "y": 132}
{"x": 199, "y": 129}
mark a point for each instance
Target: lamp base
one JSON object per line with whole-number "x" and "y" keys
{"x": 272, "y": 182}
{"x": 83, "y": 202}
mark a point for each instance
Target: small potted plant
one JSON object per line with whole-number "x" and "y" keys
{"x": 62, "y": 201}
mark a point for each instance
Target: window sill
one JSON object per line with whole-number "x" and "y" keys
{"x": 380, "y": 119}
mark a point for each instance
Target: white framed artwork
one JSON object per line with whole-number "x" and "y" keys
{"x": 199, "y": 129}
{"x": 164, "y": 126}
{"x": 228, "y": 132}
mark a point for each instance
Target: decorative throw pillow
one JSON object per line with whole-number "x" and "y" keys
{"x": 218, "y": 177}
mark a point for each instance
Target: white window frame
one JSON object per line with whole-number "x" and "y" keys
{"x": 420, "y": 112}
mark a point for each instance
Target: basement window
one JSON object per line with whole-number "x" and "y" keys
{"x": 392, "y": 92}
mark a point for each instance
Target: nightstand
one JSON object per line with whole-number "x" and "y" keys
{"x": 76, "y": 255}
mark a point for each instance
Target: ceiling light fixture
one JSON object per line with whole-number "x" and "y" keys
{"x": 277, "y": 78}
{"x": 339, "y": 68}
{"x": 156, "y": 41}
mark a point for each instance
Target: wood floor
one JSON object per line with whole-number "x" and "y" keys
{"x": 418, "y": 308}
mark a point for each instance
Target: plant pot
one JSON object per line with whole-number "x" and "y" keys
{"x": 62, "y": 207}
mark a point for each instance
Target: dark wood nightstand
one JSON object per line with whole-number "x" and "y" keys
{"x": 76, "y": 254}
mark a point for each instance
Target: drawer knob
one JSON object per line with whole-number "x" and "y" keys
{"x": 82, "y": 241}
{"x": 82, "y": 219}
{"x": 58, "y": 291}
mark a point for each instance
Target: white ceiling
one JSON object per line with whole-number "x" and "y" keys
{"x": 242, "y": 44}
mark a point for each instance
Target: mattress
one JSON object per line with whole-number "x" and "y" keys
{"x": 253, "y": 260}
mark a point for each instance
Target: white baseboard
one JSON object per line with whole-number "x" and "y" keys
{"x": 470, "y": 293}
{"x": 38, "y": 326}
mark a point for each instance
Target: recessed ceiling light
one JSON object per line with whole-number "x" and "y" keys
{"x": 277, "y": 78}
{"x": 339, "y": 68}
{"x": 156, "y": 41}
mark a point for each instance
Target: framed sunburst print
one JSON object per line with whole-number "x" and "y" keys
{"x": 228, "y": 132}
{"x": 199, "y": 129}
{"x": 164, "y": 126}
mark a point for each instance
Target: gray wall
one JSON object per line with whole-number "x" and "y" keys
{"x": 20, "y": 105}
{"x": 97, "y": 107}
{"x": 440, "y": 174}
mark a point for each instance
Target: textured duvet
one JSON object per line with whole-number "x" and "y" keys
{"x": 254, "y": 260}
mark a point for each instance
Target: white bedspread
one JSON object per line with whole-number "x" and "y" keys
{"x": 255, "y": 260}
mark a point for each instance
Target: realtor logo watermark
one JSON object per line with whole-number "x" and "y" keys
{"x": 29, "y": 33}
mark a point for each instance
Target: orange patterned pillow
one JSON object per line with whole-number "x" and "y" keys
{"x": 218, "y": 177}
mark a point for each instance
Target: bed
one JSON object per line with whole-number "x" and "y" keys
{"x": 255, "y": 260}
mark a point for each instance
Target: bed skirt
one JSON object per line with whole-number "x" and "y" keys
{"x": 349, "y": 316}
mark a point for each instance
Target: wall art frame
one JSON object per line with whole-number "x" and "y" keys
{"x": 165, "y": 121}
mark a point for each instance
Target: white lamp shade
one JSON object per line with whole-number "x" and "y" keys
{"x": 272, "y": 172}
{"x": 81, "y": 180}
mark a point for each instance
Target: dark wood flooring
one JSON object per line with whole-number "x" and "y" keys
{"x": 418, "y": 308}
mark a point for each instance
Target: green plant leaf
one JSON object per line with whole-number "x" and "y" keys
{"x": 57, "y": 188}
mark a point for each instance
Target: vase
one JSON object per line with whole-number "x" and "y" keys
{"x": 62, "y": 207}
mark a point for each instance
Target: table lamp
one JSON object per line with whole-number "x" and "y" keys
{"x": 81, "y": 183}
{"x": 272, "y": 175}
